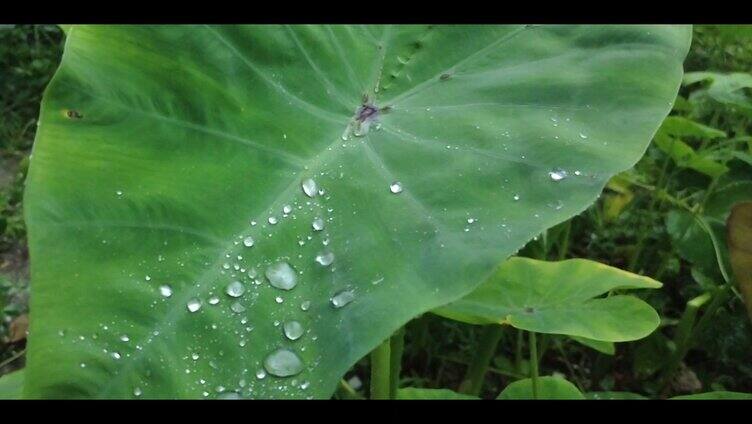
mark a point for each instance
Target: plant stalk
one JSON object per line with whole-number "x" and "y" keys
{"x": 534, "y": 363}
{"x": 380, "y": 367}
{"x": 397, "y": 346}
{"x": 473, "y": 381}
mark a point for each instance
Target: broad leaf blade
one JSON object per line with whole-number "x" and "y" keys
{"x": 158, "y": 146}
{"x": 11, "y": 385}
{"x": 551, "y": 388}
{"x": 721, "y": 395}
{"x": 559, "y": 298}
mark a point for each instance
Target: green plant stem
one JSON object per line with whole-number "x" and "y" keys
{"x": 534, "y": 363}
{"x": 473, "y": 381}
{"x": 397, "y": 346}
{"x": 380, "y": 367}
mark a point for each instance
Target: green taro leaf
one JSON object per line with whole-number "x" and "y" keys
{"x": 548, "y": 388}
{"x": 439, "y": 151}
{"x": 729, "y": 89}
{"x": 614, "y": 396}
{"x": 414, "y": 393}
{"x": 669, "y": 140}
{"x": 560, "y": 298}
{"x": 716, "y": 396}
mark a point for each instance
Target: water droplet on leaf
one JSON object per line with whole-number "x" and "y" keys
{"x": 293, "y": 330}
{"x": 342, "y": 298}
{"x": 283, "y": 363}
{"x": 194, "y": 305}
{"x": 235, "y": 289}
{"x": 281, "y": 275}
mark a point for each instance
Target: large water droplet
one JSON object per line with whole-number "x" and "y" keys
{"x": 248, "y": 241}
{"x": 194, "y": 305}
{"x": 235, "y": 289}
{"x": 309, "y": 187}
{"x": 165, "y": 290}
{"x": 342, "y": 298}
{"x": 293, "y": 330}
{"x": 137, "y": 392}
{"x": 318, "y": 224}
{"x": 395, "y": 187}
{"x": 281, "y": 275}
{"x": 325, "y": 258}
{"x": 557, "y": 175}
{"x": 283, "y": 363}
{"x": 272, "y": 220}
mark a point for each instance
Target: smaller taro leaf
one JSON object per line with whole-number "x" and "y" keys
{"x": 693, "y": 243}
{"x": 727, "y": 89}
{"x": 415, "y": 393}
{"x": 614, "y": 396}
{"x": 669, "y": 140}
{"x": 722, "y": 395}
{"x": 548, "y": 388}
{"x": 559, "y": 298}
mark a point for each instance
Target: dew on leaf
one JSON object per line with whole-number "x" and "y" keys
{"x": 281, "y": 275}
{"x": 395, "y": 187}
{"x": 293, "y": 330}
{"x": 325, "y": 258}
{"x": 165, "y": 290}
{"x": 235, "y": 289}
{"x": 318, "y": 224}
{"x": 283, "y": 363}
{"x": 248, "y": 241}
{"x": 557, "y": 174}
{"x": 309, "y": 187}
{"x": 194, "y": 305}
{"x": 342, "y": 298}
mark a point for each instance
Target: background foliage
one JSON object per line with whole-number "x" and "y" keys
{"x": 643, "y": 223}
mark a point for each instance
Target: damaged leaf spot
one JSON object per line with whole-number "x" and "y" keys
{"x": 73, "y": 114}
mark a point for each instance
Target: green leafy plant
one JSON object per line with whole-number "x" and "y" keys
{"x": 247, "y": 211}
